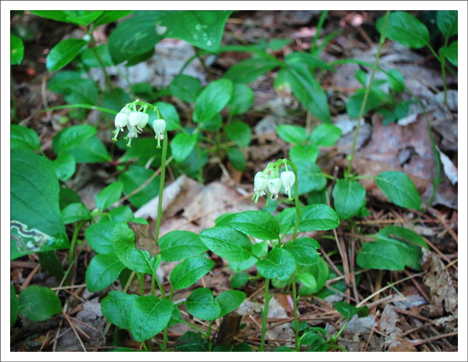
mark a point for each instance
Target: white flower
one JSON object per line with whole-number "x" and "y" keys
{"x": 121, "y": 120}
{"x": 274, "y": 187}
{"x": 260, "y": 185}
{"x": 159, "y": 126}
{"x": 132, "y": 133}
{"x": 143, "y": 122}
{"x": 287, "y": 179}
{"x": 134, "y": 118}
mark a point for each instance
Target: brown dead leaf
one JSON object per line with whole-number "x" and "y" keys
{"x": 388, "y": 325}
{"x": 144, "y": 239}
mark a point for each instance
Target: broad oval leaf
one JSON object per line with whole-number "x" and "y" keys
{"x": 116, "y": 307}
{"x": 38, "y": 304}
{"x": 447, "y": 21}
{"x": 212, "y": 100}
{"x": 239, "y": 132}
{"x": 16, "y": 50}
{"x": 133, "y": 178}
{"x": 63, "y": 53}
{"x": 227, "y": 242}
{"x": 72, "y": 137}
{"x": 109, "y": 195}
{"x": 75, "y": 212}
{"x": 318, "y": 217}
{"x": 377, "y": 255}
{"x": 405, "y": 29}
{"x": 399, "y": 189}
{"x": 229, "y": 301}
{"x": 109, "y": 16}
{"x": 258, "y": 224}
{"x": 74, "y": 88}
{"x": 306, "y": 154}
{"x": 149, "y": 316}
{"x": 185, "y": 87}
{"x": 348, "y": 311}
{"x": 304, "y": 250}
{"x": 451, "y": 52}
{"x": 23, "y": 137}
{"x": 349, "y": 197}
{"x": 99, "y": 236}
{"x": 201, "y": 304}
{"x": 258, "y": 249}
{"x": 279, "y": 263}
{"x": 182, "y": 144}
{"x": 309, "y": 177}
{"x": 325, "y": 135}
{"x": 237, "y": 158}
{"x": 241, "y": 100}
{"x": 189, "y": 271}
{"x": 65, "y": 166}
{"x": 103, "y": 270}
{"x": 248, "y": 70}
{"x": 179, "y": 244}
{"x": 291, "y": 134}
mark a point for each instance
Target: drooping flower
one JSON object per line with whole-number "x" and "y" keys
{"x": 274, "y": 187}
{"x": 132, "y": 133}
{"x": 143, "y": 122}
{"x": 287, "y": 179}
{"x": 121, "y": 120}
{"x": 134, "y": 118}
{"x": 260, "y": 185}
{"x": 159, "y": 126}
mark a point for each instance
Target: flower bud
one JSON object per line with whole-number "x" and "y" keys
{"x": 287, "y": 179}
{"x": 134, "y": 118}
{"x": 274, "y": 187}
{"x": 159, "y": 126}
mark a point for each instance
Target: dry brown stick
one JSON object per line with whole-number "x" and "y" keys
{"x": 416, "y": 329}
{"x": 431, "y": 339}
{"x": 70, "y": 287}
{"x": 332, "y": 265}
{"x": 418, "y": 287}
{"x": 353, "y": 276}
{"x": 74, "y": 330}
{"x": 30, "y": 276}
{"x": 440, "y": 253}
{"x": 23, "y": 264}
{"x": 442, "y": 220}
{"x": 370, "y": 336}
{"x": 412, "y": 314}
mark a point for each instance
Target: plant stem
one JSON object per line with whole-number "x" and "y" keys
{"x": 161, "y": 187}
{"x": 106, "y": 75}
{"x": 153, "y": 284}
{"x": 208, "y": 334}
{"x": 76, "y": 232}
{"x": 296, "y": 319}
{"x": 141, "y": 276}
{"x": 318, "y": 30}
{"x": 87, "y": 106}
{"x": 265, "y": 314}
{"x": 363, "y": 106}
{"x": 444, "y": 77}
{"x": 165, "y": 338}
{"x": 200, "y": 167}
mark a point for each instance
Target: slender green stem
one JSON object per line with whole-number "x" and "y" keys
{"x": 106, "y": 75}
{"x": 200, "y": 166}
{"x": 153, "y": 284}
{"x": 165, "y": 338}
{"x": 444, "y": 77}
{"x": 369, "y": 86}
{"x": 265, "y": 314}
{"x": 161, "y": 289}
{"x": 81, "y": 105}
{"x": 296, "y": 319}
{"x": 194, "y": 327}
{"x": 76, "y": 232}
{"x": 209, "y": 336}
{"x": 293, "y": 276}
{"x": 296, "y": 202}
{"x": 318, "y": 30}
{"x": 141, "y": 276}
{"x": 161, "y": 187}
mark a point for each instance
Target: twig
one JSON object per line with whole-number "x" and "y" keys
{"x": 30, "y": 276}
{"x": 74, "y": 330}
{"x": 428, "y": 340}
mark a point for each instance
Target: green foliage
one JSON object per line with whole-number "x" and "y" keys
{"x": 186, "y": 88}
{"x": 103, "y": 270}
{"x": 189, "y": 271}
{"x": 65, "y": 166}
{"x": 75, "y": 212}
{"x": 447, "y": 21}
{"x": 451, "y": 52}
{"x": 50, "y": 262}
{"x": 313, "y": 277}
{"x": 348, "y": 311}
{"x": 405, "y": 29}
{"x": 16, "y": 50}
{"x": 212, "y": 100}
{"x": 23, "y": 137}
{"x": 133, "y": 179}
{"x": 279, "y": 263}
{"x": 227, "y": 242}
{"x": 38, "y": 304}
{"x": 63, "y": 53}
{"x": 109, "y": 195}
{"x": 13, "y": 306}
{"x": 239, "y": 132}
{"x": 399, "y": 189}
{"x": 182, "y": 144}
{"x": 318, "y": 217}
{"x": 260, "y": 250}
{"x": 178, "y": 245}
{"x": 304, "y": 250}
{"x": 241, "y": 100}
{"x": 309, "y": 176}
{"x": 74, "y": 88}
{"x": 258, "y": 224}
{"x": 239, "y": 280}
{"x": 291, "y": 134}
{"x": 116, "y": 308}
{"x": 349, "y": 197}
{"x": 248, "y": 70}
{"x": 237, "y": 158}
{"x": 325, "y": 135}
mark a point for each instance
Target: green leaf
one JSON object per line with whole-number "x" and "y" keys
{"x": 405, "y": 29}
{"x": 99, "y": 236}
{"x": 123, "y": 242}
{"x": 103, "y": 270}
{"x": 248, "y": 70}
{"x": 325, "y": 135}
{"x": 395, "y": 80}
{"x": 348, "y": 198}
{"x": 139, "y": 151}
{"x": 72, "y": 137}
{"x": 451, "y": 53}
{"x": 399, "y": 189}
{"x": 292, "y": 134}
{"x": 170, "y": 115}
{"x": 63, "y": 53}
{"x": 313, "y": 277}
{"x": 384, "y": 256}
{"x": 90, "y": 151}
{"x": 34, "y": 199}
{"x": 65, "y": 166}
{"x": 229, "y": 301}
{"x": 318, "y": 217}
{"x": 227, "y": 243}
{"x": 109, "y": 195}
{"x": 78, "y": 17}
{"x": 348, "y": 311}
{"x": 354, "y": 103}
{"x": 308, "y": 91}
{"x": 213, "y": 124}
{"x": 239, "y": 280}
{"x": 189, "y": 271}
{"x": 212, "y": 100}
{"x": 75, "y": 212}
{"x": 182, "y": 144}
{"x": 74, "y": 88}
{"x": 57, "y": 15}
{"x": 16, "y": 50}
{"x": 237, "y": 158}
{"x": 50, "y": 262}
{"x": 239, "y": 132}
{"x": 23, "y": 137}
{"x": 88, "y": 57}
{"x": 201, "y": 304}
{"x": 192, "y": 342}
{"x": 447, "y": 21}
{"x": 258, "y": 249}
{"x": 308, "y": 59}
{"x": 67, "y": 196}
{"x": 121, "y": 213}
{"x": 304, "y": 250}
{"x": 309, "y": 177}
{"x": 283, "y": 349}
{"x": 149, "y": 316}
{"x": 116, "y": 307}
{"x": 13, "y": 306}
{"x": 179, "y": 244}
{"x": 115, "y": 100}
{"x": 259, "y": 224}
{"x": 133, "y": 178}
{"x": 109, "y": 16}
{"x": 279, "y": 263}
{"x": 241, "y": 100}
{"x": 185, "y": 87}
{"x": 306, "y": 154}
{"x": 38, "y": 304}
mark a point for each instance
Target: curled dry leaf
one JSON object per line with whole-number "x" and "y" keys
{"x": 144, "y": 239}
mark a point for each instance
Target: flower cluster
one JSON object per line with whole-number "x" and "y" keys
{"x": 268, "y": 182}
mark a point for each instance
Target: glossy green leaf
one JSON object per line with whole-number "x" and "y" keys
{"x": 258, "y": 249}
{"x": 237, "y": 158}
{"x": 259, "y": 224}
{"x": 139, "y": 152}
{"x": 115, "y": 100}
{"x": 349, "y": 311}
{"x": 109, "y": 195}
{"x": 149, "y": 316}
{"x": 239, "y": 280}
{"x": 88, "y": 57}
{"x": 16, "y": 50}
{"x": 384, "y": 256}
{"x": 201, "y": 304}
{"x": 50, "y": 262}
{"x": 121, "y": 213}
{"x": 185, "y": 87}
{"x": 65, "y": 166}
{"x": 279, "y": 263}
{"x": 91, "y": 150}
{"x": 116, "y": 307}
{"x": 170, "y": 115}
{"x": 318, "y": 217}
{"x": 248, "y": 70}
{"x": 309, "y": 177}
{"x": 241, "y": 100}
{"x": 75, "y": 212}
{"x": 189, "y": 271}
{"x": 349, "y": 197}
{"x": 229, "y": 301}
{"x": 99, "y": 236}
{"x": 306, "y": 154}
{"x": 39, "y": 304}
{"x": 395, "y": 80}
{"x": 447, "y": 21}
{"x": 304, "y": 250}
{"x": 74, "y": 88}
{"x": 72, "y": 137}
{"x": 325, "y": 135}
{"x": 239, "y": 132}
{"x": 214, "y": 124}
{"x": 13, "y": 306}
{"x": 24, "y": 137}
{"x": 307, "y": 59}
{"x": 63, "y": 53}
{"x": 179, "y": 244}
{"x": 133, "y": 178}
{"x": 451, "y": 52}
{"x": 313, "y": 277}
{"x": 399, "y": 189}
{"x": 227, "y": 243}
{"x": 212, "y": 100}
{"x": 405, "y": 29}
{"x": 123, "y": 242}
{"x": 374, "y": 101}
{"x": 67, "y": 196}
{"x": 291, "y": 134}
{"x": 192, "y": 342}
{"x": 182, "y": 144}
{"x": 103, "y": 270}
{"x": 78, "y": 17}
{"x": 109, "y": 16}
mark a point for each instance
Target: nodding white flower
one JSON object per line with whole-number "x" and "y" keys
{"x": 132, "y": 133}
{"x": 260, "y": 185}
{"x": 159, "y": 126}
{"x": 143, "y": 122}
{"x": 134, "y": 118}
{"x": 121, "y": 120}
{"x": 287, "y": 179}
{"x": 274, "y": 187}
